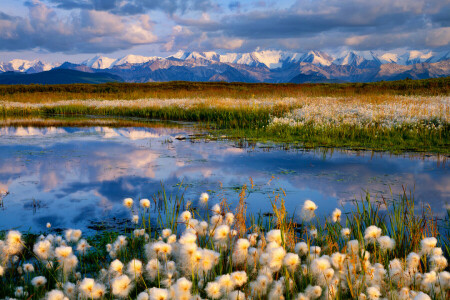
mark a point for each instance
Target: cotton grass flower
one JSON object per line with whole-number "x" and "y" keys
{"x": 213, "y": 290}
{"x": 158, "y": 294}
{"x": 291, "y": 261}
{"x": 128, "y": 202}
{"x": 135, "y": 219}
{"x": 336, "y": 215}
{"x": 345, "y": 233}
{"x": 372, "y": 233}
{"x": 145, "y": 203}
{"x": 185, "y": 216}
{"x": 14, "y": 243}
{"x": 274, "y": 235}
{"x": 63, "y": 252}
{"x": 221, "y": 233}
{"x": 83, "y": 246}
{"x": 116, "y": 267}
{"x": 121, "y": 286}
{"x": 373, "y": 293}
{"x": 386, "y": 243}
{"x": 239, "y": 278}
{"x": 427, "y": 245}
{"x": 216, "y": 209}
{"x": 204, "y": 197}
{"x": 301, "y": 248}
{"x": 73, "y": 235}
{"x": 226, "y": 283}
{"x": 28, "y": 268}
{"x": 38, "y": 281}
{"x": 143, "y": 296}
{"x": 236, "y": 295}
{"x": 134, "y": 268}
{"x": 43, "y": 249}
{"x": 166, "y": 233}
{"x": 308, "y": 210}
{"x": 313, "y": 292}
{"x": 422, "y": 296}
{"x": 56, "y": 295}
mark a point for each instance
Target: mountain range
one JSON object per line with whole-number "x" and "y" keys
{"x": 258, "y": 66}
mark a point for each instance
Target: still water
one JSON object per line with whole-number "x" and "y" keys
{"x": 74, "y": 177}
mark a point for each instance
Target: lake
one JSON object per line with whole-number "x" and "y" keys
{"x": 75, "y": 177}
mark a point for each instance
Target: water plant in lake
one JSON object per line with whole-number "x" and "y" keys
{"x": 379, "y": 250}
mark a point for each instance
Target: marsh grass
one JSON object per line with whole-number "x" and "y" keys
{"x": 394, "y": 116}
{"x": 396, "y": 217}
{"x": 218, "y": 90}
{"x": 397, "y": 140}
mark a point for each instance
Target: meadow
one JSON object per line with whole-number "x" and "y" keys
{"x": 382, "y": 249}
{"x": 171, "y": 248}
{"x": 401, "y": 116}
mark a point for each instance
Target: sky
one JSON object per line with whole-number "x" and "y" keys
{"x": 74, "y": 30}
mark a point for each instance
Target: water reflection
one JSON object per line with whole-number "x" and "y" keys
{"x": 72, "y": 176}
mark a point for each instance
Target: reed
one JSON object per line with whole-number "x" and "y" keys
{"x": 382, "y": 248}
{"x": 217, "y": 90}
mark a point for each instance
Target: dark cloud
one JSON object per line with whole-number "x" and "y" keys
{"x": 325, "y": 24}
{"x": 136, "y": 6}
{"x": 110, "y": 25}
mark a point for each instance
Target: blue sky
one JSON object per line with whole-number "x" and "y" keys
{"x": 57, "y": 30}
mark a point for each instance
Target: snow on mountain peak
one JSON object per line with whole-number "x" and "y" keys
{"x": 134, "y": 59}
{"x": 22, "y": 65}
{"x": 99, "y": 62}
{"x": 180, "y": 54}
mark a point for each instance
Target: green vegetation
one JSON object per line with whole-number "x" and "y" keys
{"x": 214, "y": 90}
{"x": 350, "y": 137}
{"x": 375, "y": 116}
{"x": 381, "y": 247}
{"x": 57, "y": 76}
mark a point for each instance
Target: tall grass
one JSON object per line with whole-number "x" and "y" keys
{"x": 214, "y": 90}
{"x": 269, "y": 236}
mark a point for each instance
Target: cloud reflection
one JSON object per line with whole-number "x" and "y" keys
{"x": 83, "y": 174}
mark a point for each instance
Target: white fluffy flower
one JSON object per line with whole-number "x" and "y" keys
{"x": 372, "y": 233}
{"x": 308, "y": 210}
{"x": 336, "y": 215}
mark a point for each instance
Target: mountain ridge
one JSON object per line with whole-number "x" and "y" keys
{"x": 259, "y": 66}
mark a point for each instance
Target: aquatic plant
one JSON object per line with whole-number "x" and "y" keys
{"x": 388, "y": 253}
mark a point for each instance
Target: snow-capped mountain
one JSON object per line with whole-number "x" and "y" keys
{"x": 259, "y": 66}
{"x": 21, "y": 65}
{"x": 99, "y": 62}
{"x": 272, "y": 59}
{"x": 102, "y": 62}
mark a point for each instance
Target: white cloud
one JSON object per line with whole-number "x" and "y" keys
{"x": 83, "y": 31}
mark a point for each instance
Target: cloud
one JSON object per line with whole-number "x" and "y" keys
{"x": 131, "y": 7}
{"x": 84, "y": 31}
{"x": 357, "y": 24}
{"x": 103, "y": 26}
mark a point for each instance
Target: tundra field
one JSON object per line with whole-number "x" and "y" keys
{"x": 396, "y": 116}
{"x": 171, "y": 248}
{"x": 381, "y": 250}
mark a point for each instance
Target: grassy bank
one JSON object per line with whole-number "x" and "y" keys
{"x": 374, "y": 116}
{"x": 349, "y": 137}
{"x": 215, "y": 90}
{"x": 210, "y": 250}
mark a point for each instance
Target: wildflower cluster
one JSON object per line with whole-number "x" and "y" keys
{"x": 195, "y": 258}
{"x": 406, "y": 112}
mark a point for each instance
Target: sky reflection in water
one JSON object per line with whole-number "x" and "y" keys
{"x": 79, "y": 175}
